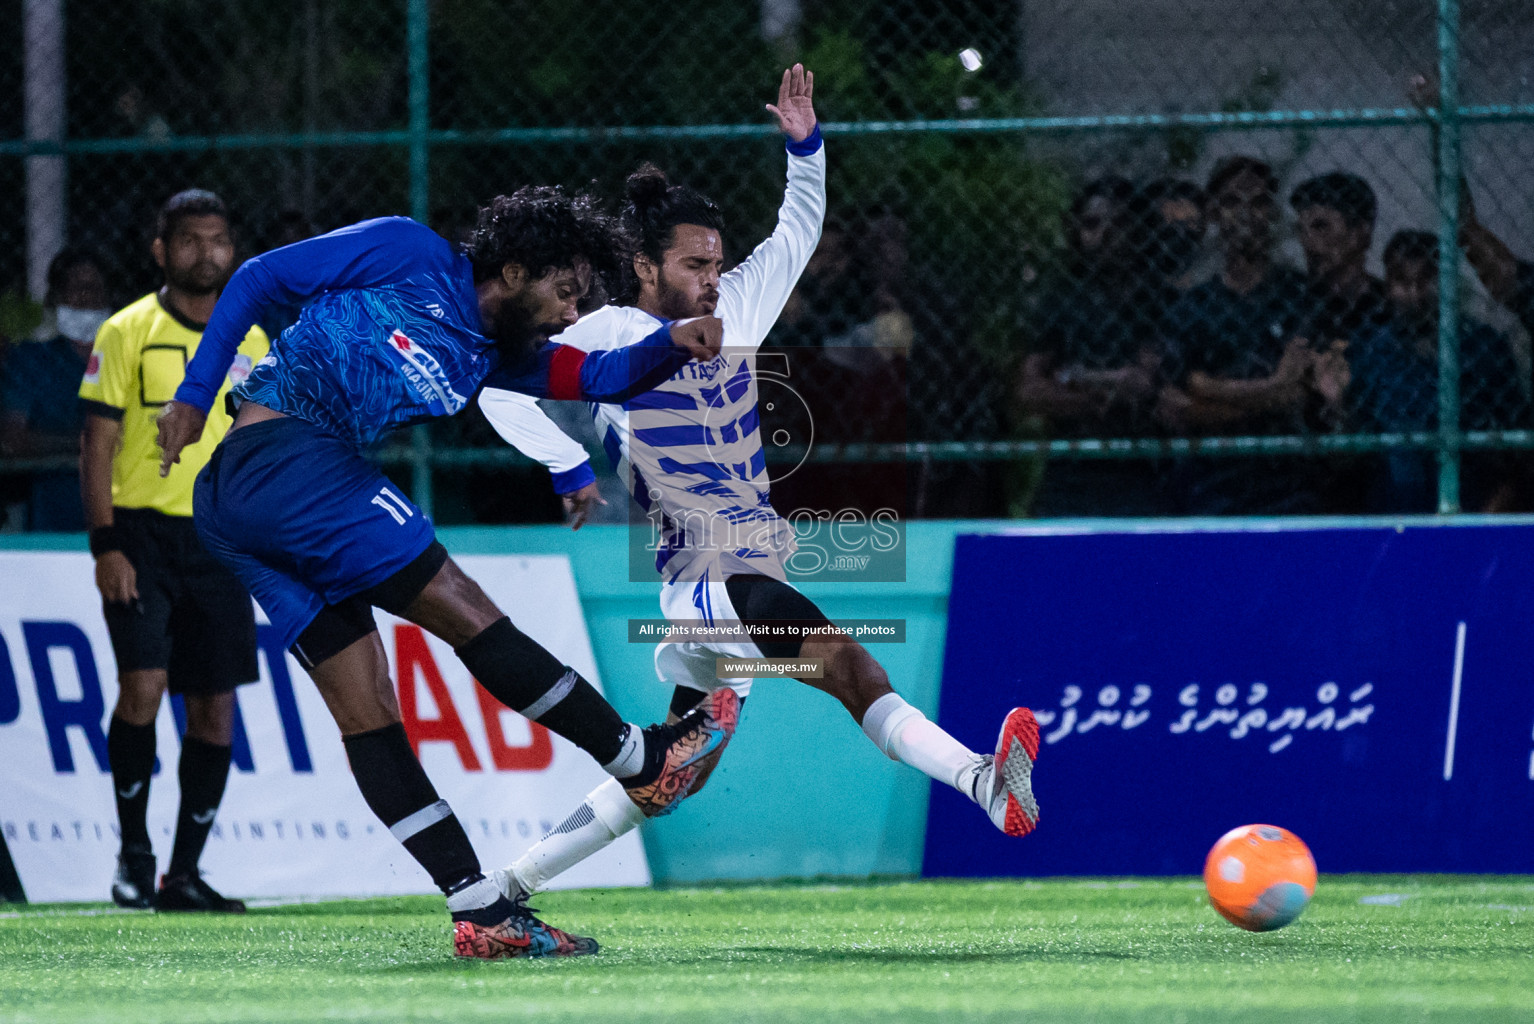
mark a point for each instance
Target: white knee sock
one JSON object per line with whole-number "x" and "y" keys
{"x": 606, "y": 814}
{"x": 907, "y": 735}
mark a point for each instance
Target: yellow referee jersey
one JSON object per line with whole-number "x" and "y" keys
{"x": 138, "y": 361}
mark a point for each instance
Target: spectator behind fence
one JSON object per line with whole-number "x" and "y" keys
{"x": 1507, "y": 279}
{"x": 1238, "y": 358}
{"x": 1335, "y": 222}
{"x": 1093, "y": 366}
{"x": 1171, "y": 220}
{"x": 39, "y": 412}
{"x": 1395, "y": 388}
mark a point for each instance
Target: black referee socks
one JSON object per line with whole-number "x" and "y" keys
{"x": 130, "y": 752}
{"x": 519, "y": 673}
{"x": 396, "y": 788}
{"x": 203, "y": 773}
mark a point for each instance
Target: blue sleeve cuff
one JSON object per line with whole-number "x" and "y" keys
{"x": 809, "y": 146}
{"x": 615, "y": 375}
{"x": 572, "y": 480}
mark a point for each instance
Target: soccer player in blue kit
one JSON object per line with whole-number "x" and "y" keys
{"x": 399, "y": 327}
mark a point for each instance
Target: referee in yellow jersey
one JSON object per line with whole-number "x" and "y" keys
{"x": 177, "y": 617}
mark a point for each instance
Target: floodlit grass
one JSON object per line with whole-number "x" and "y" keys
{"x": 1424, "y": 948}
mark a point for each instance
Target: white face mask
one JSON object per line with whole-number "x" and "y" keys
{"x": 80, "y": 324}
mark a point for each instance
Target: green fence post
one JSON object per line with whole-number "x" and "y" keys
{"x": 1447, "y": 158}
{"x": 418, "y": 56}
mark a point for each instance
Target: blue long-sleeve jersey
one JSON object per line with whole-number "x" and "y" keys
{"x": 390, "y": 335}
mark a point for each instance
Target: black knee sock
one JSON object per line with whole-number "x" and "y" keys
{"x": 395, "y": 786}
{"x": 203, "y": 773}
{"x": 519, "y": 673}
{"x": 130, "y": 752}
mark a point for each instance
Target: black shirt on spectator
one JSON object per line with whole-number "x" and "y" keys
{"x": 1222, "y": 333}
{"x": 1085, "y": 326}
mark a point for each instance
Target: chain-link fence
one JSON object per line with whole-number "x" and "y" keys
{"x": 1083, "y": 257}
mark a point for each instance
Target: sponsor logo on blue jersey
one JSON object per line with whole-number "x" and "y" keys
{"x": 426, "y": 375}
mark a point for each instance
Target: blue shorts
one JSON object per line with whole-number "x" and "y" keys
{"x": 303, "y": 519}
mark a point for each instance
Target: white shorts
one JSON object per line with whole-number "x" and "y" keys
{"x": 693, "y": 663}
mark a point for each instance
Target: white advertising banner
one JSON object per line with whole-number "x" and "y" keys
{"x": 292, "y": 823}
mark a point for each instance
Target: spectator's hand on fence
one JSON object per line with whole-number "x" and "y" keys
{"x": 1296, "y": 360}
{"x": 580, "y": 504}
{"x": 795, "y": 110}
{"x": 1171, "y": 411}
{"x": 116, "y": 578}
{"x": 1139, "y": 383}
{"x": 1286, "y": 387}
{"x": 1129, "y": 384}
{"x": 178, "y": 426}
{"x": 1330, "y": 373}
{"x": 702, "y": 336}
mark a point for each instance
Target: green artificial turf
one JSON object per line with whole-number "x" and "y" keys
{"x": 1422, "y": 948}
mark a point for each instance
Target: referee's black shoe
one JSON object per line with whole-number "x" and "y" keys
{"x": 133, "y": 885}
{"x": 190, "y": 892}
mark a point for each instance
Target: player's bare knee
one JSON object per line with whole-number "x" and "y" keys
{"x": 453, "y": 606}
{"x": 139, "y": 695}
{"x": 356, "y": 686}
{"x": 210, "y": 718}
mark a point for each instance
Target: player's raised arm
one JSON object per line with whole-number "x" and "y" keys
{"x": 795, "y": 109}
{"x": 752, "y": 295}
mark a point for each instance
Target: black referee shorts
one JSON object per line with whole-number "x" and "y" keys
{"x": 193, "y": 618}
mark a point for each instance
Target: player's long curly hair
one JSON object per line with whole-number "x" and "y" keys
{"x": 655, "y": 207}
{"x": 544, "y": 228}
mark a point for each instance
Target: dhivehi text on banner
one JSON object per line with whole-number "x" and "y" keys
{"x": 1369, "y": 688}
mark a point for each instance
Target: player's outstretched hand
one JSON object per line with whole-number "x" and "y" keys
{"x": 580, "y": 504}
{"x": 702, "y": 336}
{"x": 795, "y": 110}
{"x": 179, "y": 425}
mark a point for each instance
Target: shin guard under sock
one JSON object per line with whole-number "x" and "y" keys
{"x": 515, "y": 670}
{"x": 396, "y": 788}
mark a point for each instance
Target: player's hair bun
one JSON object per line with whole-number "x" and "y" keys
{"x": 647, "y": 186}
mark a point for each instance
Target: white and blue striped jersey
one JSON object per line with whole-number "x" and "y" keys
{"x": 690, "y": 450}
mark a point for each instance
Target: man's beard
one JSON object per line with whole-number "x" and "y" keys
{"x": 674, "y": 303}
{"x": 514, "y": 330}
{"x": 202, "y": 278}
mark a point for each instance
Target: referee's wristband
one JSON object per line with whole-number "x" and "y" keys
{"x": 104, "y": 539}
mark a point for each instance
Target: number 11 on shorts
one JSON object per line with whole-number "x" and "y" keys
{"x": 393, "y": 504}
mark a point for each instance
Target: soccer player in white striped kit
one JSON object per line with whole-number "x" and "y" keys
{"x": 690, "y": 452}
